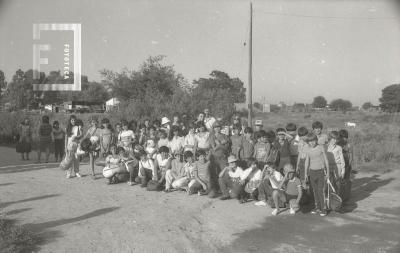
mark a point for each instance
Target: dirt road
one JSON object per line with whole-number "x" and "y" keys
{"x": 85, "y": 215}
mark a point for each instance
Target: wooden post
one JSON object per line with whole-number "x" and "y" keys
{"x": 250, "y": 75}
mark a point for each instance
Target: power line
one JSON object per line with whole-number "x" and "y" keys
{"x": 325, "y": 17}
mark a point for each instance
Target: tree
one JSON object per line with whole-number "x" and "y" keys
{"x": 19, "y": 91}
{"x": 154, "y": 90}
{"x": 367, "y": 105}
{"x": 390, "y": 100}
{"x": 258, "y": 106}
{"x": 319, "y": 102}
{"x": 219, "y": 92}
{"x": 340, "y": 105}
{"x": 3, "y": 83}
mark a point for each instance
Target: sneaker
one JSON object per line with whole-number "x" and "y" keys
{"x": 260, "y": 203}
{"x": 275, "y": 212}
{"x": 224, "y": 197}
{"x": 130, "y": 183}
{"x": 78, "y": 175}
{"x": 315, "y": 211}
{"x": 292, "y": 211}
{"x": 323, "y": 213}
{"x": 68, "y": 175}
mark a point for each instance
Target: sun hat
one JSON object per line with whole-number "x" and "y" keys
{"x": 258, "y": 122}
{"x": 232, "y": 159}
{"x": 165, "y": 120}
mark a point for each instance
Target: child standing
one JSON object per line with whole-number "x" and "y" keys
{"x": 236, "y": 141}
{"x": 189, "y": 143}
{"x": 175, "y": 143}
{"x": 262, "y": 148}
{"x": 59, "y": 139}
{"x": 126, "y": 137}
{"x": 163, "y": 139}
{"x": 106, "y": 137}
{"x": 71, "y": 161}
{"x": 202, "y": 138}
{"x": 317, "y": 167}
{"x": 247, "y": 151}
{"x": 347, "y": 150}
{"x": 45, "y": 139}
{"x": 282, "y": 144}
{"x": 322, "y": 138}
{"x": 293, "y": 139}
{"x": 25, "y": 139}
{"x": 335, "y": 159}
{"x": 302, "y": 155}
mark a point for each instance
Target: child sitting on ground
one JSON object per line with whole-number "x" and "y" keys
{"x": 175, "y": 177}
{"x": 267, "y": 185}
{"x": 189, "y": 169}
{"x": 201, "y": 181}
{"x": 293, "y": 190}
{"x": 252, "y": 178}
{"x": 147, "y": 170}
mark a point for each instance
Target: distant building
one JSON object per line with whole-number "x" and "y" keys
{"x": 266, "y": 108}
{"x": 112, "y": 104}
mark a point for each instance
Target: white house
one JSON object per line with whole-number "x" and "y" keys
{"x": 112, "y": 103}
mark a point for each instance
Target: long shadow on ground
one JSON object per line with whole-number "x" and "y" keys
{"x": 362, "y": 188}
{"x": 24, "y": 168}
{"x": 46, "y": 234}
{"x": 304, "y": 232}
{"x": 5, "y": 204}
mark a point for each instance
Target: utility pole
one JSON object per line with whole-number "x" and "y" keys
{"x": 250, "y": 75}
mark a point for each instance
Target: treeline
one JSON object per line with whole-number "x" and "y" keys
{"x": 152, "y": 90}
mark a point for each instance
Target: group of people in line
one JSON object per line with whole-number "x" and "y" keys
{"x": 284, "y": 168}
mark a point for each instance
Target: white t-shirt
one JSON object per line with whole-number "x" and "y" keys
{"x": 209, "y": 122}
{"x": 278, "y": 177}
{"x": 126, "y": 136}
{"x": 237, "y": 173}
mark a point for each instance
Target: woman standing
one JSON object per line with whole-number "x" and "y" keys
{"x": 25, "y": 139}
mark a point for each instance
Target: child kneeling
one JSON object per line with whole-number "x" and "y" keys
{"x": 291, "y": 193}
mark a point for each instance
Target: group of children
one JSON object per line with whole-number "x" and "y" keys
{"x": 285, "y": 168}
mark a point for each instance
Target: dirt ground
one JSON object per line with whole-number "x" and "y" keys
{"x": 85, "y": 215}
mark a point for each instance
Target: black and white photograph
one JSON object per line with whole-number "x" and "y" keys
{"x": 185, "y": 126}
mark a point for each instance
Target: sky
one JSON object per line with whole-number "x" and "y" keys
{"x": 301, "y": 49}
